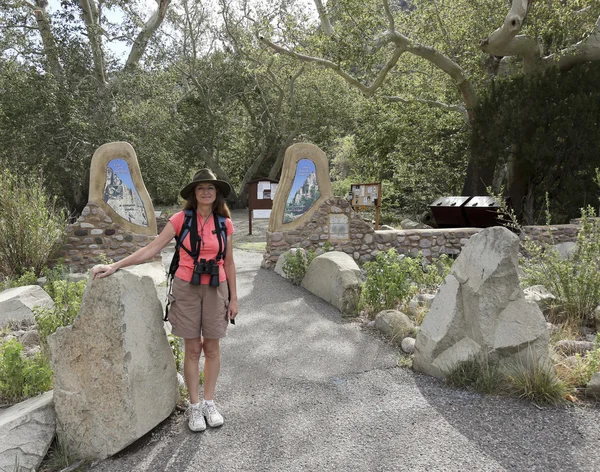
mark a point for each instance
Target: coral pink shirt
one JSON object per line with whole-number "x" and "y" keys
{"x": 209, "y": 246}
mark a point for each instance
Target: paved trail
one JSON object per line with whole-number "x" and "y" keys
{"x": 302, "y": 390}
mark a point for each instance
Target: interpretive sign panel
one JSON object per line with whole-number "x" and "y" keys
{"x": 365, "y": 195}
{"x": 304, "y": 192}
{"x": 339, "y": 227}
{"x": 121, "y": 195}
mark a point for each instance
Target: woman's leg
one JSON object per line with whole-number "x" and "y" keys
{"x": 191, "y": 364}
{"x": 212, "y": 365}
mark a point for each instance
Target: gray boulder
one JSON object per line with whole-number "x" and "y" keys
{"x": 540, "y": 296}
{"x": 16, "y": 303}
{"x": 394, "y": 323}
{"x": 480, "y": 310}
{"x": 335, "y": 277}
{"x": 566, "y": 249}
{"x": 115, "y": 376}
{"x": 26, "y": 432}
{"x": 407, "y": 223}
{"x": 593, "y": 386}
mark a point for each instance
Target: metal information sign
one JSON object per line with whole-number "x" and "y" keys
{"x": 365, "y": 196}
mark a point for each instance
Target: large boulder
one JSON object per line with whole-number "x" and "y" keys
{"x": 115, "y": 376}
{"x": 16, "y": 303}
{"x": 480, "y": 310}
{"x": 335, "y": 277}
{"x": 593, "y": 386}
{"x": 26, "y": 432}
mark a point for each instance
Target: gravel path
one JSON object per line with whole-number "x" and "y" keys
{"x": 302, "y": 390}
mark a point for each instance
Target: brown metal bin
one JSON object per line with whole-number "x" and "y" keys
{"x": 448, "y": 212}
{"x": 482, "y": 212}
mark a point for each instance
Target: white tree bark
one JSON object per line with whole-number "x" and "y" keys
{"x": 324, "y": 18}
{"x": 141, "y": 42}
{"x": 89, "y": 12}
{"x": 506, "y": 41}
{"x": 43, "y": 23}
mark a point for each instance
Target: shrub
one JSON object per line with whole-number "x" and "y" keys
{"x": 31, "y": 224}
{"x": 67, "y": 302}
{"x": 479, "y": 374}
{"x": 296, "y": 263}
{"x": 27, "y": 278}
{"x": 574, "y": 281}
{"x": 392, "y": 279}
{"x": 21, "y": 378}
{"x": 537, "y": 383}
{"x": 579, "y": 373}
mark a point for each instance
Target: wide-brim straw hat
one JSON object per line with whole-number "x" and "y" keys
{"x": 205, "y": 175}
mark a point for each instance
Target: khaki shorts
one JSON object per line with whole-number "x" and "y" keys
{"x": 198, "y": 310}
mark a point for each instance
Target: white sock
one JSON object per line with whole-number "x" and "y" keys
{"x": 209, "y": 402}
{"x": 195, "y": 405}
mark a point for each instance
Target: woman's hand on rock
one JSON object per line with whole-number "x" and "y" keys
{"x": 103, "y": 270}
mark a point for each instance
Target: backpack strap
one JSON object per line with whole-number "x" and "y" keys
{"x": 189, "y": 224}
{"x": 221, "y": 232}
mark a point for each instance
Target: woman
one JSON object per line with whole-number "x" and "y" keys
{"x": 199, "y": 313}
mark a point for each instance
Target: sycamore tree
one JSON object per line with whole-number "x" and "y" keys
{"x": 432, "y": 53}
{"x": 61, "y": 83}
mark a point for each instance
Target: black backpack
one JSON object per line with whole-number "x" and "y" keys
{"x": 190, "y": 226}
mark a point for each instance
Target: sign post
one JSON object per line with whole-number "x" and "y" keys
{"x": 261, "y": 193}
{"x": 366, "y": 195}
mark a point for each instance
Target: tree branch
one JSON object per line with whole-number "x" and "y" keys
{"x": 388, "y": 13}
{"x": 585, "y": 50}
{"x": 367, "y": 90}
{"x": 43, "y": 24}
{"x": 325, "y": 23}
{"x": 90, "y": 18}
{"x": 432, "y": 103}
{"x": 141, "y": 42}
{"x": 506, "y": 41}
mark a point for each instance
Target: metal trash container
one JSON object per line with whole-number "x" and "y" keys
{"x": 448, "y": 212}
{"x": 482, "y": 212}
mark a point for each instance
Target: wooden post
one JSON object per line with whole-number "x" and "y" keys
{"x": 249, "y": 222}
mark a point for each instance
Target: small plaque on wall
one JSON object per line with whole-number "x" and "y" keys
{"x": 338, "y": 227}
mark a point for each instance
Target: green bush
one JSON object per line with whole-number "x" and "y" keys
{"x": 296, "y": 263}
{"x": 31, "y": 225}
{"x": 27, "y": 278}
{"x": 574, "y": 281}
{"x": 21, "y": 378}
{"x": 67, "y": 302}
{"x": 392, "y": 279}
{"x": 537, "y": 383}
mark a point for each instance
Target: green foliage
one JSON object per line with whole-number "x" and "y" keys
{"x": 27, "y": 278}
{"x": 575, "y": 281}
{"x": 479, "y": 374}
{"x": 537, "y": 383}
{"x": 558, "y": 158}
{"x": 67, "y": 302}
{"x": 31, "y": 224}
{"x": 579, "y": 373}
{"x": 392, "y": 279}
{"x": 296, "y": 263}
{"x": 21, "y": 378}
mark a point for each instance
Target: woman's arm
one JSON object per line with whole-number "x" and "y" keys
{"x": 229, "y": 268}
{"x": 141, "y": 255}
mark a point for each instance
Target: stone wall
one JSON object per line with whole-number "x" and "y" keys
{"x": 364, "y": 243}
{"x": 93, "y": 235}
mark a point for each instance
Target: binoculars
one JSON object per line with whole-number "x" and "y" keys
{"x": 209, "y": 267}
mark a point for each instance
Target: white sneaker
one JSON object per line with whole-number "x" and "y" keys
{"x": 213, "y": 417}
{"x": 195, "y": 419}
